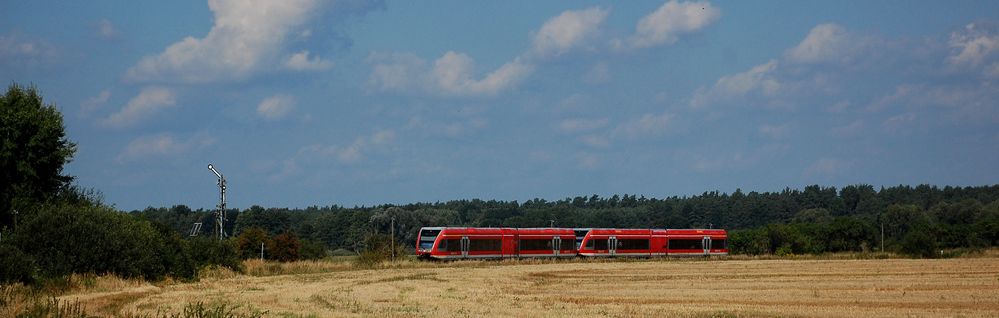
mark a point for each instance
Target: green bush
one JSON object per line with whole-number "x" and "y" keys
{"x": 918, "y": 243}
{"x": 311, "y": 250}
{"x": 207, "y": 251}
{"x": 67, "y": 239}
{"x": 751, "y": 242}
{"x": 15, "y": 265}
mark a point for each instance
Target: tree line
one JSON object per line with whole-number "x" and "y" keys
{"x": 916, "y": 220}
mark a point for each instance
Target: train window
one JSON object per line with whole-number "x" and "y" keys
{"x": 449, "y": 245}
{"x": 632, "y": 244}
{"x": 589, "y": 244}
{"x": 485, "y": 245}
{"x": 568, "y": 245}
{"x": 718, "y": 244}
{"x": 429, "y": 233}
{"x": 535, "y": 245}
{"x": 600, "y": 244}
{"x": 682, "y": 244}
{"x": 427, "y": 238}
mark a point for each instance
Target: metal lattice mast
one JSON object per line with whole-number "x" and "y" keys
{"x": 220, "y": 214}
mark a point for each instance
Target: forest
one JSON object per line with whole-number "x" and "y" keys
{"x": 915, "y": 220}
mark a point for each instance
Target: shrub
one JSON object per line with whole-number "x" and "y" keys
{"x": 207, "y": 251}
{"x": 68, "y": 239}
{"x": 15, "y": 265}
{"x": 311, "y": 250}
{"x": 917, "y": 243}
{"x": 249, "y": 240}
{"x": 284, "y": 247}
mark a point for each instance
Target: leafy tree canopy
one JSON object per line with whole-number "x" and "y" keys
{"x": 33, "y": 151}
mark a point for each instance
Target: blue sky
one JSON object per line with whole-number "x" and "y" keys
{"x": 306, "y": 102}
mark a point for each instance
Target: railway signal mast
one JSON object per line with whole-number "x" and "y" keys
{"x": 220, "y": 214}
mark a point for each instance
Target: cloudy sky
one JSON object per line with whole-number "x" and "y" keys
{"x": 303, "y": 102}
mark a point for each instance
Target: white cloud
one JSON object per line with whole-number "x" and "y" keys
{"x": 760, "y": 79}
{"x": 95, "y": 102}
{"x": 575, "y": 125}
{"x": 567, "y": 30}
{"x": 598, "y": 74}
{"x": 302, "y": 62}
{"x": 963, "y": 104}
{"x": 647, "y": 125}
{"x": 853, "y": 129}
{"x": 352, "y": 153}
{"x": 825, "y": 43}
{"x": 16, "y": 51}
{"x": 149, "y": 101}
{"x": 453, "y": 74}
{"x": 672, "y": 19}
{"x": 898, "y": 123}
{"x": 161, "y": 145}
{"x": 974, "y": 45}
{"x": 245, "y": 36}
{"x": 396, "y": 72}
{"x": 826, "y": 167}
{"x": 597, "y": 141}
{"x": 775, "y": 131}
{"x": 275, "y": 107}
{"x": 587, "y": 161}
{"x": 106, "y": 30}
{"x": 451, "y": 129}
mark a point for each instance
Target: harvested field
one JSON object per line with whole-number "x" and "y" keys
{"x": 843, "y": 288}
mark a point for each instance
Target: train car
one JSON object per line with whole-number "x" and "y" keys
{"x": 696, "y": 242}
{"x": 468, "y": 242}
{"x": 650, "y": 242}
{"x": 545, "y": 242}
{"x": 616, "y": 242}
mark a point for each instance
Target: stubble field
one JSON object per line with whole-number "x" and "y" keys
{"x": 658, "y": 287}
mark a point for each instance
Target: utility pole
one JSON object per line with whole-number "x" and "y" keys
{"x": 551, "y": 223}
{"x": 220, "y": 214}
{"x": 261, "y": 251}
{"x": 882, "y": 237}
{"x": 393, "y": 238}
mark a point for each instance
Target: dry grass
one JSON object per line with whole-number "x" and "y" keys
{"x": 536, "y": 288}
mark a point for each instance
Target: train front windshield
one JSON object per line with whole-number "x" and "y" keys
{"x": 427, "y": 237}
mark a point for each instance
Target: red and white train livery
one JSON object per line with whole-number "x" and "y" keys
{"x": 470, "y": 242}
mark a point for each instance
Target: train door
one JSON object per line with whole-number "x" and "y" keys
{"x": 706, "y": 243}
{"x": 612, "y": 245}
{"x": 464, "y": 246}
{"x": 556, "y": 245}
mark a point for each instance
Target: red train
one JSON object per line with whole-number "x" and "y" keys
{"x": 470, "y": 242}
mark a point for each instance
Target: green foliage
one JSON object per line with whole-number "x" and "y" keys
{"x": 751, "y": 242}
{"x": 15, "y": 266}
{"x": 919, "y": 243}
{"x": 65, "y": 239}
{"x": 311, "y": 250}
{"x": 212, "y": 252}
{"x": 812, "y": 220}
{"x": 33, "y": 151}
